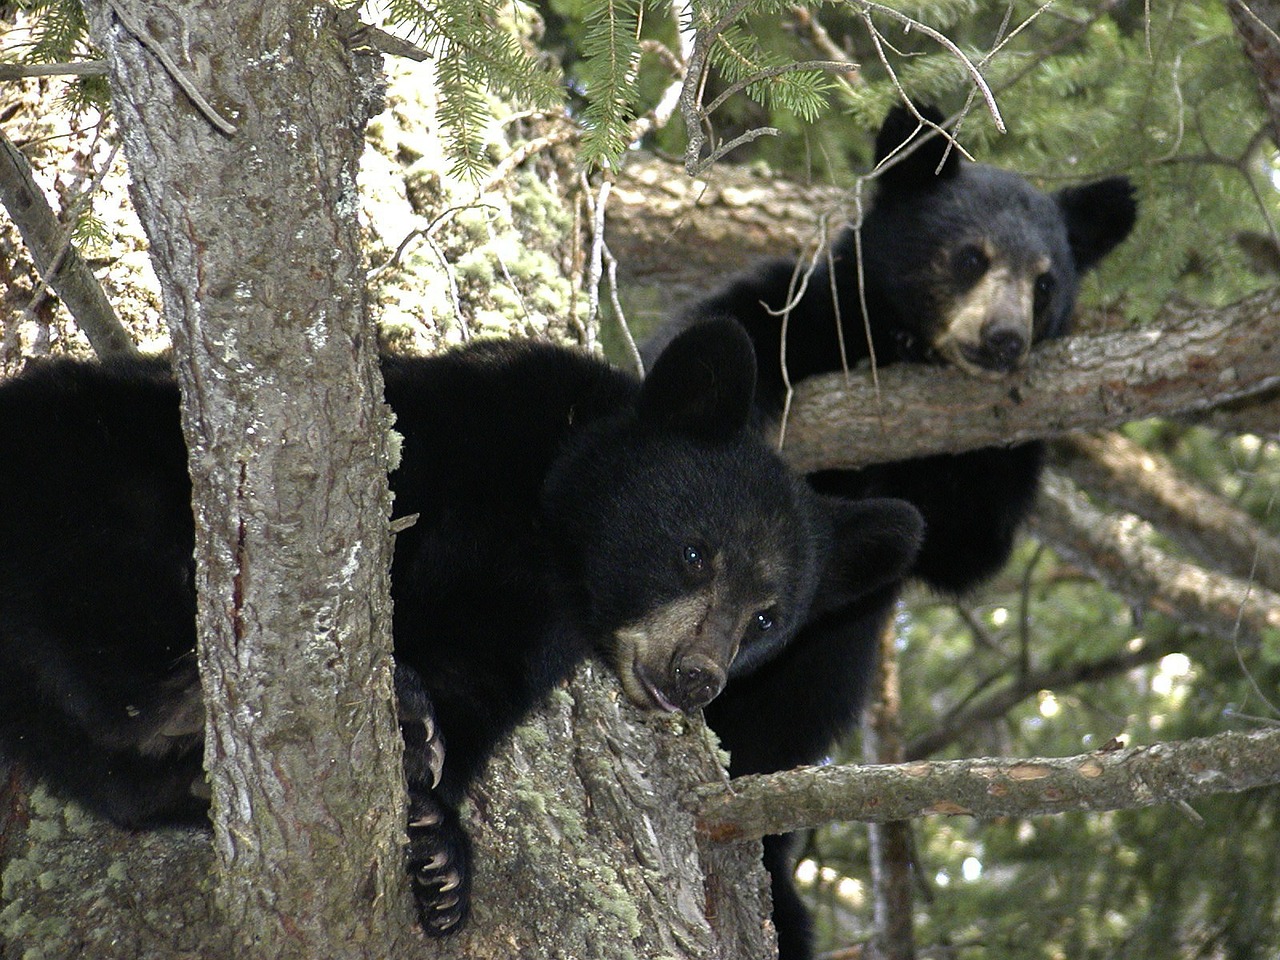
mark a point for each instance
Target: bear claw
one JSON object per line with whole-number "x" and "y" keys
{"x": 438, "y": 858}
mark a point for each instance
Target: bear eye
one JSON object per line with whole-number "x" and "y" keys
{"x": 970, "y": 263}
{"x": 693, "y": 559}
{"x": 1043, "y": 291}
{"x": 763, "y": 620}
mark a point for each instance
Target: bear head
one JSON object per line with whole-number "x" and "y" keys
{"x": 698, "y": 554}
{"x": 972, "y": 264}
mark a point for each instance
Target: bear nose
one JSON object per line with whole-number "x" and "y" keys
{"x": 696, "y": 680}
{"x": 1002, "y": 349}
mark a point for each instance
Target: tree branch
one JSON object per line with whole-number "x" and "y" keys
{"x": 757, "y": 806}
{"x": 1116, "y": 551}
{"x": 1210, "y": 528}
{"x": 1259, "y": 413}
{"x": 81, "y": 68}
{"x": 1000, "y": 702}
{"x": 1183, "y": 363}
{"x": 58, "y": 262}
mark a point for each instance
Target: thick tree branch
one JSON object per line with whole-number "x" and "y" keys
{"x": 59, "y": 263}
{"x": 984, "y": 788}
{"x": 1116, "y": 550}
{"x": 1184, "y": 363}
{"x": 1214, "y": 531}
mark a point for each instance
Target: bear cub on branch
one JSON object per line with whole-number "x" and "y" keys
{"x": 964, "y": 265}
{"x": 565, "y": 509}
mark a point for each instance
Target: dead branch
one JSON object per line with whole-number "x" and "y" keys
{"x": 757, "y": 806}
{"x": 999, "y": 702}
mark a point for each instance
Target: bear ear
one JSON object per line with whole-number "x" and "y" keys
{"x": 875, "y": 542}
{"x": 703, "y": 383}
{"x": 1098, "y": 216}
{"x": 935, "y": 159}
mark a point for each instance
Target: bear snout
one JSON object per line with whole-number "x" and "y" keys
{"x": 695, "y": 681}
{"x": 1002, "y": 348}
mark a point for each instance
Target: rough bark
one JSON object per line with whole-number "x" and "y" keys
{"x": 985, "y": 788}
{"x": 1211, "y": 529}
{"x": 556, "y": 875}
{"x": 675, "y": 238}
{"x": 75, "y": 886}
{"x": 243, "y": 127}
{"x": 1116, "y": 550}
{"x": 584, "y": 848}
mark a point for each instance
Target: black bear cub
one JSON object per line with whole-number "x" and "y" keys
{"x": 565, "y": 509}
{"x": 963, "y": 264}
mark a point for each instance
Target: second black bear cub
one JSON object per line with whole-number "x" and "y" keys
{"x": 564, "y": 507}
{"x": 963, "y": 264}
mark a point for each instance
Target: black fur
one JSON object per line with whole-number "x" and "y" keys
{"x": 939, "y": 229}
{"x": 564, "y": 508}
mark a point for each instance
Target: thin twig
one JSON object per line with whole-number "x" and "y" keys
{"x": 596, "y": 264}
{"x": 611, "y": 262}
{"x": 947, "y": 44}
{"x": 526, "y": 150}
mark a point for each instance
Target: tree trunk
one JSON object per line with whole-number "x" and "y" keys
{"x": 890, "y": 842}
{"x": 585, "y": 846}
{"x": 243, "y": 125}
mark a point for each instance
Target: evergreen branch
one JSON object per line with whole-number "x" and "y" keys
{"x": 756, "y": 806}
{"x": 768, "y": 73}
{"x": 611, "y": 53}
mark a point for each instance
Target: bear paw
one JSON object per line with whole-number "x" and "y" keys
{"x": 439, "y": 862}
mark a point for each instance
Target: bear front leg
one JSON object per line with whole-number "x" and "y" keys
{"x": 438, "y": 855}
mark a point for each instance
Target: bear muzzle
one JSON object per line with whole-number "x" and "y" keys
{"x": 1000, "y": 349}
{"x": 677, "y": 658}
